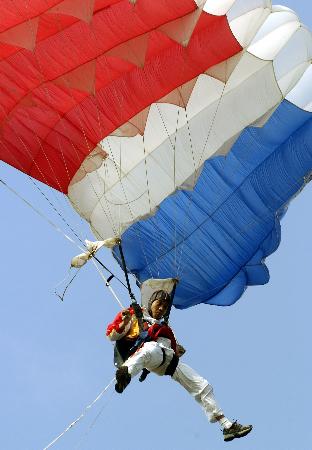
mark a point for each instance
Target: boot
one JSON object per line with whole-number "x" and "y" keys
{"x": 123, "y": 378}
{"x": 236, "y": 430}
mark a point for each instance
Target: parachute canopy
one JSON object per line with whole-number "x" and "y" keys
{"x": 182, "y": 126}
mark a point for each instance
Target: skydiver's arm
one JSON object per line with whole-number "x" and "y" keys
{"x": 120, "y": 325}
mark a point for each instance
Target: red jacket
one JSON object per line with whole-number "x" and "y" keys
{"x": 131, "y": 331}
{"x": 162, "y": 330}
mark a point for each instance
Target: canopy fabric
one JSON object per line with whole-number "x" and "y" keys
{"x": 163, "y": 148}
{"x": 181, "y": 126}
{"x": 70, "y": 74}
{"x": 216, "y": 237}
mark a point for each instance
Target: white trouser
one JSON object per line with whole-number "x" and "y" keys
{"x": 150, "y": 357}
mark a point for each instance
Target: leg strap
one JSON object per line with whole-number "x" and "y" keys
{"x": 170, "y": 369}
{"x": 146, "y": 372}
{"x": 172, "y": 365}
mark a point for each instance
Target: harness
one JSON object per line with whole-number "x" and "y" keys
{"x": 124, "y": 349}
{"x": 170, "y": 369}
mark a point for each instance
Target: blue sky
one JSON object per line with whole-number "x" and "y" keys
{"x": 56, "y": 359}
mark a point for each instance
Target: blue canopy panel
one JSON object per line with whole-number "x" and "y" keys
{"x": 216, "y": 237}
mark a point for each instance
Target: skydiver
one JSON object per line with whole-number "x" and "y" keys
{"x": 159, "y": 353}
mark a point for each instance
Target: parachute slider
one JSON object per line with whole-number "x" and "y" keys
{"x": 92, "y": 247}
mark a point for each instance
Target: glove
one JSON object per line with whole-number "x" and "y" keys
{"x": 180, "y": 350}
{"x": 137, "y": 310}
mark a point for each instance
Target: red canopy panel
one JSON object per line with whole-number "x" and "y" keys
{"x": 24, "y": 26}
{"x": 81, "y": 84}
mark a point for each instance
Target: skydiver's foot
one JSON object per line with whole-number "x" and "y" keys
{"x": 236, "y": 430}
{"x": 123, "y": 378}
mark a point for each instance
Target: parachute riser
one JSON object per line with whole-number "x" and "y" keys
{"x": 124, "y": 267}
{"x": 134, "y": 303}
{"x": 166, "y": 316}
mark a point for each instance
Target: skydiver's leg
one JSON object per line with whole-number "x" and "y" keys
{"x": 149, "y": 356}
{"x": 202, "y": 392}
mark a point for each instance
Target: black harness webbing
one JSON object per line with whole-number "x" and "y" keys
{"x": 172, "y": 365}
{"x": 163, "y": 357}
{"x": 134, "y": 304}
{"x": 170, "y": 369}
{"x": 124, "y": 267}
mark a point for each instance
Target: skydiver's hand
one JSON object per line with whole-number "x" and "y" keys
{"x": 126, "y": 317}
{"x": 180, "y": 350}
{"x": 137, "y": 310}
